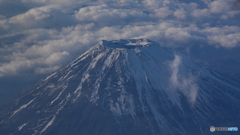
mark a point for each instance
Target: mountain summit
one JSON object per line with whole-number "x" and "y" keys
{"x": 126, "y": 87}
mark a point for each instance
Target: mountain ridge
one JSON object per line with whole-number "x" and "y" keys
{"x": 141, "y": 89}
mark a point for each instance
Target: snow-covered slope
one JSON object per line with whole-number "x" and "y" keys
{"x": 125, "y": 87}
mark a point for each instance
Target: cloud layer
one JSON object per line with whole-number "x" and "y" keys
{"x": 38, "y": 36}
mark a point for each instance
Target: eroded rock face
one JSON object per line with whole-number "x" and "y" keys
{"x": 125, "y": 87}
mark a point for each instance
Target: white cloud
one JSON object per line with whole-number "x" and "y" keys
{"x": 46, "y": 17}
{"x": 175, "y": 67}
{"x": 182, "y": 82}
{"x": 163, "y": 12}
{"x": 200, "y": 13}
{"x": 227, "y": 36}
{"x": 229, "y": 40}
{"x": 52, "y": 32}
{"x": 104, "y": 15}
{"x": 219, "y": 6}
{"x": 226, "y": 8}
{"x": 180, "y": 13}
{"x": 177, "y": 34}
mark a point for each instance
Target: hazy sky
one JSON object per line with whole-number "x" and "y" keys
{"x": 39, "y": 36}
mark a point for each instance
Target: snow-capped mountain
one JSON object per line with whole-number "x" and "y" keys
{"x": 127, "y": 87}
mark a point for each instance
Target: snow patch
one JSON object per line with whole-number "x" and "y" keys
{"x": 20, "y": 127}
{"x": 137, "y": 50}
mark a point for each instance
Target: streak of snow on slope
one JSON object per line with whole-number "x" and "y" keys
{"x": 142, "y": 85}
{"x": 58, "y": 96}
{"x": 49, "y": 123}
{"x": 20, "y": 127}
{"x": 22, "y": 107}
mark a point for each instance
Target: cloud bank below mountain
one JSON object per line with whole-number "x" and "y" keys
{"x": 39, "y": 36}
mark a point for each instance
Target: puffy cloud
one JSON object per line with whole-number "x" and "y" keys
{"x": 180, "y": 13}
{"x": 42, "y": 17}
{"x": 229, "y": 40}
{"x": 200, "y": 13}
{"x": 177, "y": 34}
{"x": 227, "y": 36}
{"x": 163, "y": 12}
{"x": 226, "y": 8}
{"x": 104, "y": 15}
{"x": 49, "y": 51}
{"x": 219, "y": 6}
